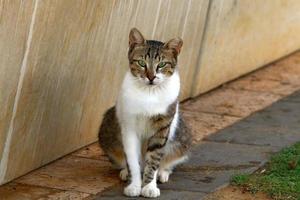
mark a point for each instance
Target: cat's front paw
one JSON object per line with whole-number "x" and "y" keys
{"x": 150, "y": 191}
{"x": 132, "y": 190}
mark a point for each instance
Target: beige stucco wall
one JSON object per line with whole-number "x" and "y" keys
{"x": 243, "y": 35}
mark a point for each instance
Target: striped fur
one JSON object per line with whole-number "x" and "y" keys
{"x": 144, "y": 132}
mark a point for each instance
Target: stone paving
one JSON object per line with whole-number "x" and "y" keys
{"x": 240, "y": 148}
{"x": 229, "y": 135}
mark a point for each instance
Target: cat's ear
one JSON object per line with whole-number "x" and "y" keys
{"x": 135, "y": 37}
{"x": 174, "y": 44}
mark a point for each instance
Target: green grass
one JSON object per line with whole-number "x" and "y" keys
{"x": 280, "y": 178}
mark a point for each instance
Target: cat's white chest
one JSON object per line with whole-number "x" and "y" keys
{"x": 137, "y": 105}
{"x": 145, "y": 104}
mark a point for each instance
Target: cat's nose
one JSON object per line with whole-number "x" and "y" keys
{"x": 151, "y": 77}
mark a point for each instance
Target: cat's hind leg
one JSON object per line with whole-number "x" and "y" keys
{"x": 111, "y": 142}
{"x": 124, "y": 174}
{"x": 118, "y": 161}
{"x": 175, "y": 153}
{"x": 167, "y": 165}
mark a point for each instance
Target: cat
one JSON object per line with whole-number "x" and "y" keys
{"x": 145, "y": 132}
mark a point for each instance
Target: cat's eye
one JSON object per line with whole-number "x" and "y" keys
{"x": 142, "y": 63}
{"x": 161, "y": 64}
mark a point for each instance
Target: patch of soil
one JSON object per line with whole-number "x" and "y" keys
{"x": 235, "y": 193}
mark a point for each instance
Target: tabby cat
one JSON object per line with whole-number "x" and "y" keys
{"x": 144, "y": 134}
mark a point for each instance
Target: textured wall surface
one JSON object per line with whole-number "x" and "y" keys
{"x": 66, "y": 66}
{"x": 62, "y": 62}
{"x": 243, "y": 35}
{"x": 15, "y": 19}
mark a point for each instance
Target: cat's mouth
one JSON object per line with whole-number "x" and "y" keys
{"x": 152, "y": 83}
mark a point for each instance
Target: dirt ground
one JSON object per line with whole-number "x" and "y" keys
{"x": 235, "y": 193}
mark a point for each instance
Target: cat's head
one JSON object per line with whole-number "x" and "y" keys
{"x": 152, "y": 62}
